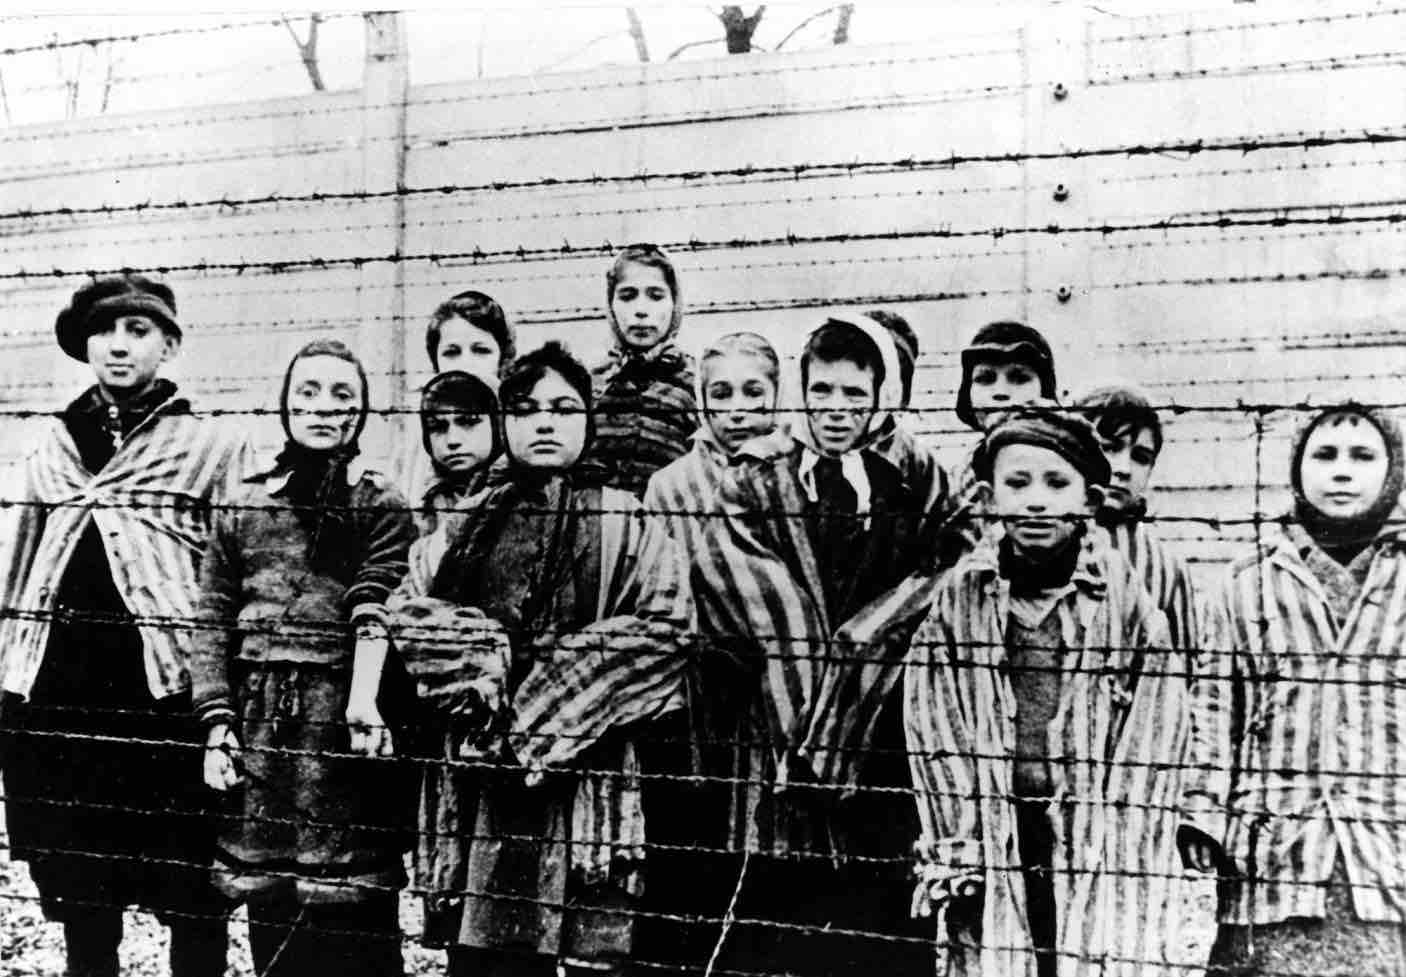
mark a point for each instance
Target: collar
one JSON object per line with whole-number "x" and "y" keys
{"x": 851, "y": 470}
{"x": 276, "y": 478}
{"x": 1089, "y": 577}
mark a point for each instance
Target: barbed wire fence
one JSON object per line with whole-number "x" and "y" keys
{"x": 1208, "y": 205}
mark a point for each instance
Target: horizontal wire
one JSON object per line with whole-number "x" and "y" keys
{"x": 1301, "y": 139}
{"x": 520, "y": 253}
{"x": 1247, "y": 26}
{"x": 1366, "y": 59}
{"x": 58, "y": 45}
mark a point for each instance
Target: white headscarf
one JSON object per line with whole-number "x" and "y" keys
{"x": 889, "y": 398}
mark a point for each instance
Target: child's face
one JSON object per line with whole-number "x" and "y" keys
{"x": 739, "y": 398}
{"x": 1040, "y": 496}
{"x": 1344, "y": 465}
{"x": 1131, "y": 456}
{"x": 127, "y": 355}
{"x": 999, "y": 385}
{"x": 460, "y": 441}
{"x": 840, "y": 401}
{"x": 324, "y": 402}
{"x": 464, "y": 346}
{"x": 546, "y": 428}
{"x": 643, "y": 305}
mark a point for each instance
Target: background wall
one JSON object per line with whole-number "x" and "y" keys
{"x": 1207, "y": 204}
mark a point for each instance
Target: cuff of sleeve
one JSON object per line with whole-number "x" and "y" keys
{"x": 215, "y": 714}
{"x": 370, "y": 613}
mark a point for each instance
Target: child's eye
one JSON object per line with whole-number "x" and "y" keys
{"x": 626, "y": 293}
{"x": 658, "y": 294}
{"x": 450, "y": 352}
{"x": 1363, "y": 454}
{"x": 1143, "y": 456}
{"x": 1325, "y": 453}
{"x": 1019, "y": 375}
{"x": 482, "y": 349}
{"x": 984, "y": 377}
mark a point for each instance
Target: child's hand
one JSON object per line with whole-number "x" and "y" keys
{"x": 369, "y": 735}
{"x": 221, "y": 752}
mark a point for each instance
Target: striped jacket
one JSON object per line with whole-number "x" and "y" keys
{"x": 758, "y": 577}
{"x": 1117, "y": 742}
{"x": 1166, "y": 577}
{"x": 153, "y": 504}
{"x": 1301, "y": 733}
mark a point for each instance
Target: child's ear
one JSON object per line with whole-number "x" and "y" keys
{"x": 1094, "y": 495}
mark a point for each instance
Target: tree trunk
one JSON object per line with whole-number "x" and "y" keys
{"x": 637, "y": 33}
{"x": 842, "y": 23}
{"x": 740, "y": 27}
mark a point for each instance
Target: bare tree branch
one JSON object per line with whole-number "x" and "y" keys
{"x": 740, "y": 27}
{"x": 637, "y": 33}
{"x": 803, "y": 25}
{"x": 580, "y": 50}
{"x": 307, "y": 50}
{"x": 692, "y": 44}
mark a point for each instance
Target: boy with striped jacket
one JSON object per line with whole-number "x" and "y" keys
{"x": 1045, "y": 729}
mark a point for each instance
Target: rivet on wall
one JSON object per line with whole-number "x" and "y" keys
{"x": 1061, "y": 193}
{"x": 1064, "y": 293}
{"x": 1060, "y": 92}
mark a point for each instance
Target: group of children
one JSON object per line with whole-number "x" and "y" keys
{"x": 691, "y": 666}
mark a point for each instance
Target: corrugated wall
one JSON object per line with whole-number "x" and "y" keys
{"x": 1219, "y": 195}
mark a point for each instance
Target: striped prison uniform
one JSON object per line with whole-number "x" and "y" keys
{"x": 1164, "y": 575}
{"x": 1115, "y": 746}
{"x": 1301, "y": 733}
{"x": 152, "y": 503}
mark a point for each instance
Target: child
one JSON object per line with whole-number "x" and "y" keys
{"x": 1299, "y": 719}
{"x": 458, "y": 428}
{"x": 819, "y": 523}
{"x": 296, "y": 578}
{"x": 645, "y": 406}
{"x": 1044, "y": 728}
{"x": 112, "y": 515}
{"x": 739, "y": 377}
{"x": 1006, "y": 364}
{"x": 587, "y": 600}
{"x": 1130, "y": 434}
{"x": 468, "y": 332}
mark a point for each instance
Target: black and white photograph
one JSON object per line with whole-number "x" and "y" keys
{"x": 564, "y": 489}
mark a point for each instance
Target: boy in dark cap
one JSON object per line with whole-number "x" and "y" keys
{"x": 116, "y": 504}
{"x": 1045, "y": 728}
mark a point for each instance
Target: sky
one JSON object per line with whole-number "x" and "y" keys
{"x": 48, "y": 71}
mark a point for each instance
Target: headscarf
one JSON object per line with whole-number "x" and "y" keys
{"x": 1005, "y": 341}
{"x": 888, "y": 398}
{"x": 734, "y": 344}
{"x": 316, "y": 482}
{"x": 1343, "y": 539}
{"x": 455, "y": 391}
{"x": 664, "y": 354}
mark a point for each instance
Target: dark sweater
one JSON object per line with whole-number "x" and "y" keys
{"x": 645, "y": 414}
{"x": 257, "y": 581}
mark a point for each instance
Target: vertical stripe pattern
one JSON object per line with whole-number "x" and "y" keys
{"x": 152, "y": 503}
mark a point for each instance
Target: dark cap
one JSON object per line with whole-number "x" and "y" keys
{"x": 96, "y": 304}
{"x": 1045, "y": 425}
{"x": 1005, "y": 341}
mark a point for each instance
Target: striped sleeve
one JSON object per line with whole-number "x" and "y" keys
{"x": 1214, "y": 717}
{"x": 938, "y": 722}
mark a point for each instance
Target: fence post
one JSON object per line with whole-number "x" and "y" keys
{"x": 1058, "y": 103}
{"x": 381, "y": 300}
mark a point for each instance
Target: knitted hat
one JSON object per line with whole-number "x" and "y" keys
{"x": 455, "y": 391}
{"x": 1044, "y": 426}
{"x": 905, "y": 342}
{"x": 98, "y": 303}
{"x": 1005, "y": 341}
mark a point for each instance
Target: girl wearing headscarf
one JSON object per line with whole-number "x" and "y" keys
{"x": 288, "y": 678}
{"x": 644, "y": 391}
{"x": 721, "y": 735}
{"x": 459, "y": 431}
{"x": 1045, "y": 730}
{"x": 573, "y": 611}
{"x": 1299, "y": 719}
{"x": 819, "y": 522}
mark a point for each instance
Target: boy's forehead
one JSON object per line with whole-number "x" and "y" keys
{"x": 1025, "y": 455}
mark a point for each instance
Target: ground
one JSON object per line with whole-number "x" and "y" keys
{"x": 33, "y": 947}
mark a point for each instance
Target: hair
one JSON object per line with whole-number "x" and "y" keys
{"x": 837, "y": 341}
{"x": 905, "y": 344}
{"x": 1115, "y": 409}
{"x": 743, "y": 344}
{"x": 649, "y": 255}
{"x": 479, "y": 310}
{"x": 453, "y": 392}
{"x": 338, "y": 350}
{"x": 529, "y": 369}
